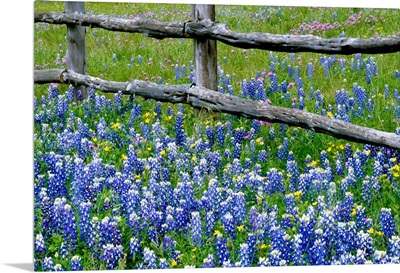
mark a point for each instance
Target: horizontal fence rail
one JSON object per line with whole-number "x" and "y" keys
{"x": 207, "y": 29}
{"x": 197, "y": 96}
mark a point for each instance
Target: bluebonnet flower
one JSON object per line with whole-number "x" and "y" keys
{"x": 380, "y": 257}
{"x": 346, "y": 231}
{"x": 134, "y": 246}
{"x": 210, "y": 222}
{"x": 66, "y": 222}
{"x": 292, "y": 171}
{"x": 196, "y": 230}
{"x": 318, "y": 253}
{"x": 149, "y": 259}
{"x": 209, "y": 262}
{"x": 75, "y": 264}
{"x": 244, "y": 255}
{"x": 310, "y": 69}
{"x": 377, "y": 169}
{"x": 387, "y": 222}
{"x": 339, "y": 165}
{"x": 109, "y": 231}
{"x": 362, "y": 222}
{"x": 57, "y": 181}
{"x": 183, "y": 71}
{"x": 239, "y": 209}
{"x": 274, "y": 83}
{"x": 272, "y": 67}
{"x": 396, "y": 74}
{"x": 220, "y": 134}
{"x": 47, "y": 264}
{"x": 180, "y": 133}
{"x": 228, "y": 224}
{"x": 222, "y": 249}
{"x": 40, "y": 245}
{"x": 275, "y": 258}
{"x": 274, "y": 181}
{"x": 306, "y": 230}
{"x": 163, "y": 264}
{"x": 344, "y": 209}
{"x": 111, "y": 255}
{"x": 348, "y": 152}
{"x": 368, "y": 73}
{"x": 84, "y": 222}
{"x": 283, "y": 150}
{"x": 394, "y": 246}
{"x": 237, "y": 151}
{"x": 262, "y": 156}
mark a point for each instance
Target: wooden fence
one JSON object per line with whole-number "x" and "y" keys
{"x": 205, "y": 33}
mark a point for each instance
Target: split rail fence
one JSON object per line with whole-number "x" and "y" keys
{"x": 205, "y": 33}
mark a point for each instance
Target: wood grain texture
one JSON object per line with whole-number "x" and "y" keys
{"x": 208, "y": 29}
{"x": 201, "y": 97}
{"x": 76, "y": 50}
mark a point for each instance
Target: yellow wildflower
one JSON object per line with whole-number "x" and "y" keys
{"x": 315, "y": 203}
{"x": 162, "y": 152}
{"x": 192, "y": 145}
{"x": 370, "y": 231}
{"x": 173, "y": 263}
{"x": 147, "y": 115}
{"x": 115, "y": 125}
{"x": 217, "y": 232}
{"x": 329, "y": 114}
{"x": 354, "y": 211}
{"x": 379, "y": 233}
{"x": 169, "y": 117}
{"x": 147, "y": 120}
{"x": 149, "y": 149}
{"x": 297, "y": 194}
{"x": 312, "y": 164}
{"x": 194, "y": 249}
{"x": 180, "y": 256}
{"x": 396, "y": 174}
{"x": 95, "y": 139}
{"x": 194, "y": 158}
{"x": 107, "y": 148}
{"x": 263, "y": 246}
{"x": 137, "y": 176}
{"x": 124, "y": 157}
{"x": 240, "y": 228}
{"x": 341, "y": 147}
{"x": 259, "y": 200}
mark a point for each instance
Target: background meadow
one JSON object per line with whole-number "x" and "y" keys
{"x": 126, "y": 183}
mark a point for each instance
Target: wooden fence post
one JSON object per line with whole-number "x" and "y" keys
{"x": 205, "y": 52}
{"x": 76, "y": 51}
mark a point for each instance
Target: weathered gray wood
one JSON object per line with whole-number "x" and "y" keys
{"x": 207, "y": 29}
{"x": 47, "y": 76}
{"x": 291, "y": 43}
{"x": 147, "y": 27}
{"x": 205, "y": 52}
{"x": 76, "y": 51}
{"x": 201, "y": 97}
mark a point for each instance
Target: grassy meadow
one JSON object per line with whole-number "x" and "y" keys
{"x": 127, "y": 183}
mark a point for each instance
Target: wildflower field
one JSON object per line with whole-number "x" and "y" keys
{"x": 121, "y": 182}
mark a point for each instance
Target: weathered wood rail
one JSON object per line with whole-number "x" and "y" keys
{"x": 201, "y": 97}
{"x": 207, "y": 29}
